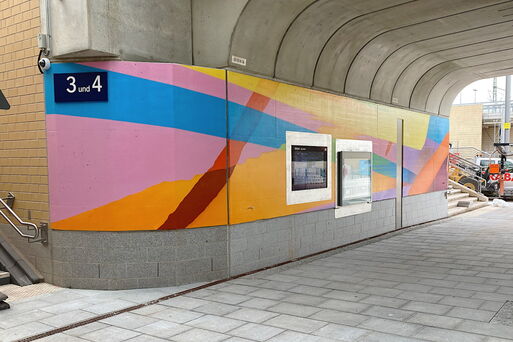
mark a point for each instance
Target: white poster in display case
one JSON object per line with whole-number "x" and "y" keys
{"x": 309, "y": 176}
{"x": 353, "y": 177}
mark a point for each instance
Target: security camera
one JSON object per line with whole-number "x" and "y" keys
{"x": 44, "y": 63}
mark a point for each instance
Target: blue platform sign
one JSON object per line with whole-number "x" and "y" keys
{"x": 81, "y": 87}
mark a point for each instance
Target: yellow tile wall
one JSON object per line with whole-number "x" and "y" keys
{"x": 23, "y": 156}
{"x": 466, "y": 123}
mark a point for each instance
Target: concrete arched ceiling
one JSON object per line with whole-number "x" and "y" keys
{"x": 413, "y": 53}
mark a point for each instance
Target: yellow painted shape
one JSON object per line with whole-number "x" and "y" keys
{"x": 381, "y": 182}
{"x": 145, "y": 210}
{"x": 258, "y": 190}
{"x": 340, "y": 113}
{"x": 416, "y": 126}
{"x": 217, "y": 73}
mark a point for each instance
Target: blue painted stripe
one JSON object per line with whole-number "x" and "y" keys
{"x": 438, "y": 128}
{"x": 137, "y": 100}
{"x": 250, "y": 125}
{"x": 388, "y": 168}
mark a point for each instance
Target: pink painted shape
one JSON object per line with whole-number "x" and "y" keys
{"x": 174, "y": 74}
{"x": 253, "y": 151}
{"x": 93, "y": 162}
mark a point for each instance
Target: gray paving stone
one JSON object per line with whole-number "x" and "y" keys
{"x": 340, "y": 332}
{"x": 333, "y": 316}
{"x": 294, "y": 309}
{"x": 227, "y": 298}
{"x": 431, "y": 308}
{"x": 497, "y": 330}
{"x": 293, "y": 336}
{"x": 473, "y": 314}
{"x": 61, "y": 338}
{"x": 109, "y": 306}
{"x": 381, "y": 291}
{"x": 345, "y": 295}
{"x": 256, "y": 332}
{"x": 380, "y": 337}
{"x": 392, "y": 327}
{"x": 384, "y": 301}
{"x": 304, "y": 299}
{"x": 419, "y": 296}
{"x": 183, "y": 302}
{"x": 22, "y": 331}
{"x": 128, "y": 320}
{"x": 79, "y": 331}
{"x": 13, "y": 320}
{"x": 435, "y": 320}
{"x": 309, "y": 290}
{"x": 218, "y": 309}
{"x": 252, "y": 315}
{"x": 146, "y": 338}
{"x": 442, "y": 335}
{"x": 259, "y": 303}
{"x": 462, "y": 302}
{"x": 195, "y": 335}
{"x": 300, "y": 324}
{"x": 150, "y": 309}
{"x": 111, "y": 334}
{"x": 388, "y": 313}
{"x": 176, "y": 315}
{"x": 67, "y": 318}
{"x": 215, "y": 323}
{"x": 342, "y": 305}
{"x": 163, "y": 329}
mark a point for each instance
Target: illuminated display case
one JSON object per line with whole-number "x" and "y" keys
{"x": 354, "y": 177}
{"x": 309, "y": 167}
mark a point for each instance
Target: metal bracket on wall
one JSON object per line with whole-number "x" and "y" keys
{"x": 43, "y": 234}
{"x": 9, "y": 200}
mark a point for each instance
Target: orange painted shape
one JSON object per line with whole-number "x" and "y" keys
{"x": 424, "y": 179}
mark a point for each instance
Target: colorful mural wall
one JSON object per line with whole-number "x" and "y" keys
{"x": 161, "y": 151}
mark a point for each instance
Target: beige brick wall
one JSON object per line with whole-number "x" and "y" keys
{"x": 23, "y": 157}
{"x": 466, "y": 127}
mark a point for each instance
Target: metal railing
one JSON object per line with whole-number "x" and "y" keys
{"x": 6, "y": 203}
{"x": 468, "y": 169}
{"x": 468, "y": 150}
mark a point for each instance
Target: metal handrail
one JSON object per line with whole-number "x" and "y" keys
{"x": 454, "y": 149}
{"x": 28, "y": 224}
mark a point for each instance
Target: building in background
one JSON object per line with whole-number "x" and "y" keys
{"x": 475, "y": 127}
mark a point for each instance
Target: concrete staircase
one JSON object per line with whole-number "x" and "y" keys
{"x": 462, "y": 199}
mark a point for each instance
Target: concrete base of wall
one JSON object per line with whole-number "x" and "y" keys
{"x": 124, "y": 260}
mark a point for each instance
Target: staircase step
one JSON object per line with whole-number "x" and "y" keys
{"x": 453, "y": 191}
{"x": 460, "y": 210}
{"x": 457, "y": 196}
{"x": 456, "y": 203}
{"x": 5, "y": 278}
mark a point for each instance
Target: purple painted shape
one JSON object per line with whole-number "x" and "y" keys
{"x": 174, "y": 74}
{"x": 441, "y": 178}
{"x": 93, "y": 162}
{"x": 382, "y": 195}
{"x": 414, "y": 160}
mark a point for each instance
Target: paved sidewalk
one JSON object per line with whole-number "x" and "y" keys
{"x": 444, "y": 282}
